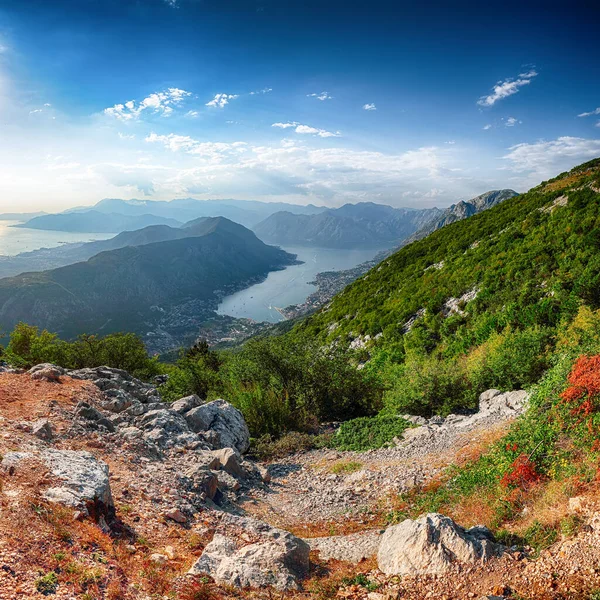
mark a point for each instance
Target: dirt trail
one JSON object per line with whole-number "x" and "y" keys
{"x": 325, "y": 492}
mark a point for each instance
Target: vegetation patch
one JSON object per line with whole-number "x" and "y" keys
{"x": 365, "y": 433}
{"x": 345, "y": 466}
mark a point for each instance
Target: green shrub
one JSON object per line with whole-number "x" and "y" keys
{"x": 47, "y": 584}
{"x": 283, "y": 384}
{"x": 511, "y": 360}
{"x": 29, "y": 346}
{"x": 366, "y": 433}
{"x": 428, "y": 385}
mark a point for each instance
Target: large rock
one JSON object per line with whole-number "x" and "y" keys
{"x": 433, "y": 544}
{"x": 184, "y": 404}
{"x": 221, "y": 418}
{"x": 166, "y": 428}
{"x": 82, "y": 479}
{"x": 508, "y": 403}
{"x": 230, "y": 461}
{"x": 46, "y": 372}
{"x": 246, "y": 552}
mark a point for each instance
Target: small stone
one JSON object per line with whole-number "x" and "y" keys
{"x": 175, "y": 515}
{"x": 159, "y": 559}
{"x": 42, "y": 429}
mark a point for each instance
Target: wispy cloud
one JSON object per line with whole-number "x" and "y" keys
{"x": 307, "y": 129}
{"x": 506, "y": 88}
{"x": 220, "y": 100}
{"x": 544, "y": 159}
{"x": 158, "y": 103}
{"x": 592, "y": 113}
{"x": 321, "y": 96}
{"x": 486, "y": 127}
{"x": 511, "y": 122}
{"x": 370, "y": 106}
{"x": 188, "y": 144}
{"x": 263, "y": 91}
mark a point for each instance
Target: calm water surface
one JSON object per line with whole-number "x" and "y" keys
{"x": 14, "y": 240}
{"x": 290, "y": 286}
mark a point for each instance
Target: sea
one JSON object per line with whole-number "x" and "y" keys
{"x": 290, "y": 286}
{"x": 14, "y": 240}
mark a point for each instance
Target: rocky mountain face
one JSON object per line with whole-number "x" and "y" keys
{"x": 462, "y": 210}
{"x": 362, "y": 225}
{"x": 135, "y": 287}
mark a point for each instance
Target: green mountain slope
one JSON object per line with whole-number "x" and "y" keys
{"x": 500, "y": 282}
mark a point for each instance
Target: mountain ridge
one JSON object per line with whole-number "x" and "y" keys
{"x": 364, "y": 224}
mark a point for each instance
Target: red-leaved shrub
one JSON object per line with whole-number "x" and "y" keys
{"x": 522, "y": 473}
{"x": 583, "y": 393}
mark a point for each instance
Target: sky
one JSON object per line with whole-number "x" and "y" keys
{"x": 324, "y": 102}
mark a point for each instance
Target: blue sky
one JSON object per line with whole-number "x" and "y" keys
{"x": 325, "y": 102}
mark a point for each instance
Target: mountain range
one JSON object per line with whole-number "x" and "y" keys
{"x": 115, "y": 215}
{"x": 362, "y": 225}
{"x": 137, "y": 287}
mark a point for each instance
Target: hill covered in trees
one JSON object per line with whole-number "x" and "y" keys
{"x": 478, "y": 303}
{"x": 146, "y": 288}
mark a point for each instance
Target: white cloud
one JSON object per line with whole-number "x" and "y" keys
{"x": 214, "y": 150}
{"x": 307, "y": 129}
{"x": 263, "y": 91}
{"x": 506, "y": 88}
{"x": 511, "y": 122}
{"x": 125, "y": 136}
{"x": 192, "y": 113}
{"x": 158, "y": 103}
{"x": 321, "y": 96}
{"x": 220, "y": 100}
{"x": 596, "y": 111}
{"x": 486, "y": 127}
{"x": 370, "y": 106}
{"x": 544, "y": 159}
{"x": 37, "y": 110}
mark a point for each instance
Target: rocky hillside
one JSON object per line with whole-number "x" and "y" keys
{"x": 107, "y": 492}
{"x": 362, "y": 225}
{"x": 134, "y": 288}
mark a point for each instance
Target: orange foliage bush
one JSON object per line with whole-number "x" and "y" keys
{"x": 583, "y": 392}
{"x": 522, "y": 474}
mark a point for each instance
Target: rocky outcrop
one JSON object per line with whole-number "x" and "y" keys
{"x": 46, "y": 372}
{"x": 246, "y": 552}
{"x": 223, "y": 419}
{"x": 433, "y": 544}
{"x": 81, "y": 479}
{"x": 494, "y": 406}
